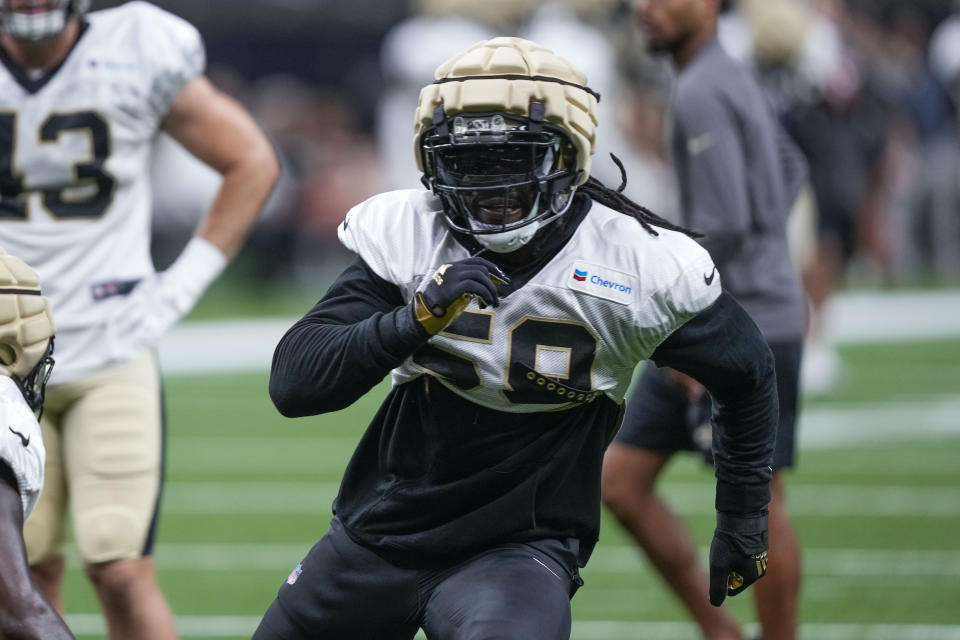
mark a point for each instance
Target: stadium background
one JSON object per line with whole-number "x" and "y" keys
{"x": 877, "y": 492}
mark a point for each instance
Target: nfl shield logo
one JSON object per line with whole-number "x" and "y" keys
{"x": 297, "y": 570}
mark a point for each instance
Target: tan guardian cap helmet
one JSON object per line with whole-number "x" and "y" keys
{"x": 500, "y": 14}
{"x": 511, "y": 122}
{"x": 26, "y": 329}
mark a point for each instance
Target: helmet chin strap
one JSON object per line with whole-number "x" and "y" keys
{"x": 510, "y": 241}
{"x": 507, "y": 241}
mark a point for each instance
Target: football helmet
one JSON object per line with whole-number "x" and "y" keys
{"x": 500, "y": 14}
{"x": 26, "y": 329}
{"x": 35, "y": 20}
{"x": 504, "y": 137}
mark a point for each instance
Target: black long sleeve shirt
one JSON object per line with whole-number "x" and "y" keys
{"x": 437, "y": 477}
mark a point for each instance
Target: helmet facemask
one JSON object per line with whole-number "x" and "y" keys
{"x": 33, "y": 385}
{"x": 35, "y": 20}
{"x": 501, "y": 177}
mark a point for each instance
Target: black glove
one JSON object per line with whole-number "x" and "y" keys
{"x": 450, "y": 288}
{"x": 738, "y": 554}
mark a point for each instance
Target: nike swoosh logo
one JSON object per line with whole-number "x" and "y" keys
{"x": 696, "y": 146}
{"x": 24, "y": 440}
{"x": 709, "y": 278}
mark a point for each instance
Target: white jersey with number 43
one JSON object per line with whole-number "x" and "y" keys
{"x": 75, "y": 147}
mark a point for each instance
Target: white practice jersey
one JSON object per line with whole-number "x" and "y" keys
{"x": 75, "y": 151}
{"x": 21, "y": 446}
{"x": 600, "y": 306}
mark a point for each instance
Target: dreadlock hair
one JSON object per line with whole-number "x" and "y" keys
{"x": 619, "y": 202}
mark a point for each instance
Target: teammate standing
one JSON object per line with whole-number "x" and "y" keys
{"x": 26, "y": 347}
{"x": 734, "y": 190}
{"x": 511, "y": 303}
{"x": 81, "y": 99}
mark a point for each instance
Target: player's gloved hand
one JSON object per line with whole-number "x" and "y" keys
{"x": 450, "y": 289}
{"x": 738, "y": 554}
{"x": 158, "y": 302}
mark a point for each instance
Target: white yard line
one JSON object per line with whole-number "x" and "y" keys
{"x": 609, "y": 630}
{"x": 893, "y": 316}
{"x": 243, "y": 626}
{"x": 819, "y": 428}
{"x": 247, "y": 344}
{"x": 222, "y": 345}
{"x": 856, "y": 425}
{"x": 687, "y": 498}
{"x": 852, "y": 564}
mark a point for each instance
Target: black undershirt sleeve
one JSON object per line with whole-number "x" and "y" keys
{"x": 346, "y": 344}
{"x": 723, "y": 350}
{"x": 7, "y": 475}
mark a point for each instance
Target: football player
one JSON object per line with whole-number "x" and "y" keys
{"x": 511, "y": 302}
{"x": 738, "y": 177}
{"x": 82, "y": 97}
{"x": 26, "y": 347}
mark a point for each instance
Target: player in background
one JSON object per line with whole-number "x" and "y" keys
{"x": 26, "y": 348}
{"x": 511, "y": 303}
{"x": 738, "y": 176}
{"x": 81, "y": 98}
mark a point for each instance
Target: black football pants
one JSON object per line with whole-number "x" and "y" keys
{"x": 344, "y": 591}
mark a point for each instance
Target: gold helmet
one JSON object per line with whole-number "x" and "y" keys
{"x": 506, "y": 122}
{"x": 26, "y": 329}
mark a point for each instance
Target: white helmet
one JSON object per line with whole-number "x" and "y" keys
{"x": 26, "y": 329}
{"x": 35, "y": 20}
{"x": 504, "y": 137}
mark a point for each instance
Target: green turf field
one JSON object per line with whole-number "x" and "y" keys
{"x": 876, "y": 501}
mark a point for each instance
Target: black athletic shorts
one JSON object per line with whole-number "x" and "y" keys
{"x": 345, "y": 591}
{"x": 660, "y": 417}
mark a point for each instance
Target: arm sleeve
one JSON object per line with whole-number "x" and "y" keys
{"x": 346, "y": 344}
{"x": 713, "y": 177}
{"x": 723, "y": 349}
